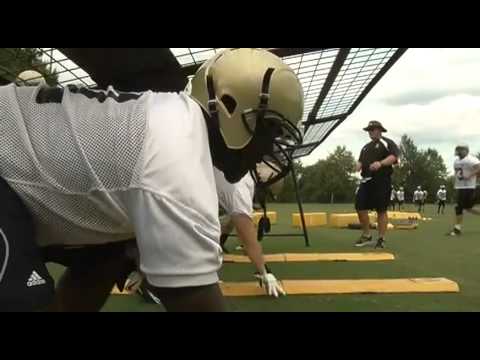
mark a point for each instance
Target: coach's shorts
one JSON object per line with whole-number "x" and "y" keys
{"x": 374, "y": 195}
{"x": 25, "y": 284}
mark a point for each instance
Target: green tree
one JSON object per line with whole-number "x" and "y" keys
{"x": 403, "y": 173}
{"x": 330, "y": 179}
{"x": 419, "y": 167}
{"x": 288, "y": 191}
{"x": 431, "y": 171}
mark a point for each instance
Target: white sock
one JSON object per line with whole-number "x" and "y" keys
{"x": 458, "y": 227}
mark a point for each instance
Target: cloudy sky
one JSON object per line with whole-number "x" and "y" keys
{"x": 432, "y": 95}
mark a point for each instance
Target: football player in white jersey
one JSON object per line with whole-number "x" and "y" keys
{"x": 418, "y": 198}
{"x": 87, "y": 174}
{"x": 237, "y": 202}
{"x": 442, "y": 198}
{"x": 466, "y": 168}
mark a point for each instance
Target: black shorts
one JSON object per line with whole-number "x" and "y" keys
{"x": 374, "y": 195}
{"x": 466, "y": 198}
{"x": 25, "y": 284}
{"x": 86, "y": 260}
{"x": 441, "y": 202}
{"x": 86, "y": 256}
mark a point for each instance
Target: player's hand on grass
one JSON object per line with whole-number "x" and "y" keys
{"x": 270, "y": 283}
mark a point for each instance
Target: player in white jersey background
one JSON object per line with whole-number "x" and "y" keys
{"x": 466, "y": 168}
{"x": 442, "y": 199}
{"x": 400, "y": 197}
{"x": 90, "y": 173}
{"x": 418, "y": 196}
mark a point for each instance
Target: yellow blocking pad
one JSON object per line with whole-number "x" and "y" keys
{"x": 291, "y": 257}
{"x": 116, "y": 291}
{"x": 311, "y": 219}
{"x": 406, "y": 227}
{"x": 400, "y": 215}
{"x": 272, "y": 216}
{"x": 362, "y": 286}
{"x": 228, "y": 289}
{"x": 228, "y": 258}
{"x": 343, "y": 220}
{"x": 241, "y": 289}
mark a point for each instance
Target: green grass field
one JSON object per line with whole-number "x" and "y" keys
{"x": 425, "y": 252}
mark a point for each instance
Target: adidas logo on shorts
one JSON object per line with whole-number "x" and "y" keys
{"x": 35, "y": 280}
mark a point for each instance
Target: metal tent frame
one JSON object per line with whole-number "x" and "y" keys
{"x": 335, "y": 80}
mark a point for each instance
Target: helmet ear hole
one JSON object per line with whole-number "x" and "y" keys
{"x": 229, "y": 103}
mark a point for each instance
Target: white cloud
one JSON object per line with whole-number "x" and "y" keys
{"x": 433, "y": 95}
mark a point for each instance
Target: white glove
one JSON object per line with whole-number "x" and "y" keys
{"x": 134, "y": 281}
{"x": 271, "y": 284}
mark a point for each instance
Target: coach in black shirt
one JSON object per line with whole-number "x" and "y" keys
{"x": 375, "y": 162}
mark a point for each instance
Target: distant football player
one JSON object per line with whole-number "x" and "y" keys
{"x": 442, "y": 199}
{"x": 418, "y": 198}
{"x": 466, "y": 169}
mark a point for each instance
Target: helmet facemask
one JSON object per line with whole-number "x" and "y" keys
{"x": 279, "y": 161}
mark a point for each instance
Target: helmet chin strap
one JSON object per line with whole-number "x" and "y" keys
{"x": 265, "y": 94}
{"x": 261, "y": 195}
{"x": 212, "y": 101}
{"x": 262, "y": 188}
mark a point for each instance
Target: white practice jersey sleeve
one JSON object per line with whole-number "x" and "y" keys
{"x": 442, "y": 195}
{"x": 235, "y": 198}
